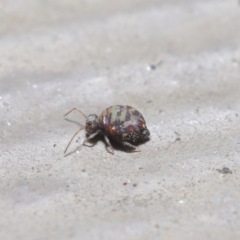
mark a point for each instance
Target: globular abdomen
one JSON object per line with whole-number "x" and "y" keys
{"x": 124, "y": 123}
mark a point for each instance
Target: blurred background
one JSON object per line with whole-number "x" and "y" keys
{"x": 177, "y": 62}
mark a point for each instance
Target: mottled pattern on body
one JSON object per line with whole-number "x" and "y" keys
{"x": 124, "y": 123}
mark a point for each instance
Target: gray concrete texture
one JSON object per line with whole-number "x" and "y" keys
{"x": 177, "y": 62}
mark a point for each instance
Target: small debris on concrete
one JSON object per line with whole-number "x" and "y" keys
{"x": 225, "y": 170}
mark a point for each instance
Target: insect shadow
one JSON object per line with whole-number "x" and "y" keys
{"x": 119, "y": 146}
{"x": 73, "y": 121}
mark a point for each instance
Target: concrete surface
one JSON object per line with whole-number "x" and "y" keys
{"x": 178, "y": 62}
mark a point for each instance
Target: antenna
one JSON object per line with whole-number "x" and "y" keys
{"x": 76, "y": 110}
{"x": 77, "y": 130}
{"x": 73, "y": 137}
